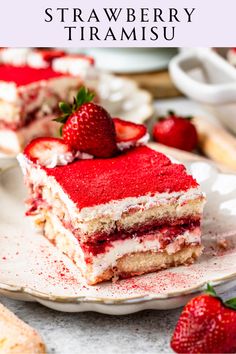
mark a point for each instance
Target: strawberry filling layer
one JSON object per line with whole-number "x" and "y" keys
{"x": 139, "y": 230}
{"x": 165, "y": 235}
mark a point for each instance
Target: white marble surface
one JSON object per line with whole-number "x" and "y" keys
{"x": 93, "y": 333}
{"x": 88, "y": 333}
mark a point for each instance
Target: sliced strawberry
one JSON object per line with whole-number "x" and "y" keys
{"x": 128, "y": 131}
{"x": 49, "y": 152}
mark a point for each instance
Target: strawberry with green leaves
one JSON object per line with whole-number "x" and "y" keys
{"x": 206, "y": 325}
{"x": 87, "y": 127}
{"x": 176, "y": 131}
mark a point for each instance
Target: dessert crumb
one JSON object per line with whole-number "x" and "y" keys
{"x": 223, "y": 244}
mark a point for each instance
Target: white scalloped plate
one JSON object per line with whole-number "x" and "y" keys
{"x": 121, "y": 97}
{"x": 32, "y": 269}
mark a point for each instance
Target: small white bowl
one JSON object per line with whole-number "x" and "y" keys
{"x": 132, "y": 60}
{"x": 206, "y": 77}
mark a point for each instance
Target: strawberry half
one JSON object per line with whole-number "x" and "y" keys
{"x": 206, "y": 325}
{"x": 49, "y": 152}
{"x": 129, "y": 134}
{"x": 88, "y": 127}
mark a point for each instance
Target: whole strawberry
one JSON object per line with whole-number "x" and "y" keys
{"x": 87, "y": 127}
{"x": 206, "y": 325}
{"x": 176, "y": 131}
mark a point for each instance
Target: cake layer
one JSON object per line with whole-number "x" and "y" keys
{"x": 127, "y": 257}
{"x": 127, "y": 214}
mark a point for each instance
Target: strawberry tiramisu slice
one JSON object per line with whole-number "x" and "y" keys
{"x": 114, "y": 213}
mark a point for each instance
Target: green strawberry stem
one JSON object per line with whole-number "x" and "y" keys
{"x": 83, "y": 96}
{"x": 210, "y": 290}
{"x": 173, "y": 114}
{"x": 231, "y": 303}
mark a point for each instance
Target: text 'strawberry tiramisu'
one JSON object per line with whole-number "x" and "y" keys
{"x": 115, "y": 212}
{"x": 30, "y": 90}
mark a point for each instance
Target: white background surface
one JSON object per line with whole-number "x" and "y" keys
{"x": 22, "y": 24}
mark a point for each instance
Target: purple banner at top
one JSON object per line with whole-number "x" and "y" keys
{"x": 133, "y": 23}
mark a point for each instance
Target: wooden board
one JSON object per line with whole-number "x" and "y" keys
{"x": 158, "y": 83}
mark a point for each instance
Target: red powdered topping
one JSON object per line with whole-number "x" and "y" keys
{"x": 140, "y": 171}
{"x": 26, "y": 75}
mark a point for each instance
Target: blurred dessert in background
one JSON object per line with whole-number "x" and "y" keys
{"x": 231, "y": 56}
{"x": 40, "y": 58}
{"x": 32, "y": 83}
{"x": 73, "y": 64}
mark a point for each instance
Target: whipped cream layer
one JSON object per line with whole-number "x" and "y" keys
{"x": 14, "y": 56}
{"x": 75, "y": 66}
{"x": 129, "y": 144}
